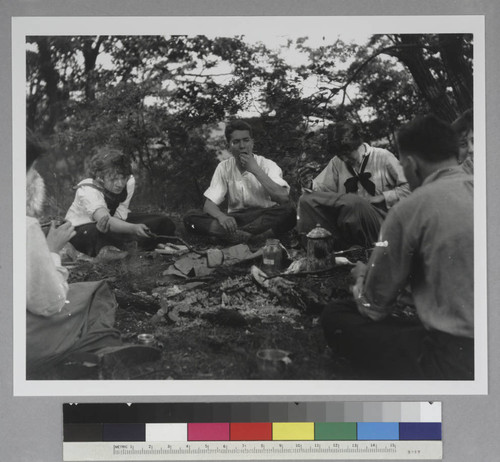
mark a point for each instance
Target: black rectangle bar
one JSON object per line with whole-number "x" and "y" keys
{"x": 82, "y": 432}
{"x": 162, "y": 412}
{"x": 124, "y": 432}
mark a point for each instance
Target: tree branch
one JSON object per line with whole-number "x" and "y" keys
{"x": 367, "y": 61}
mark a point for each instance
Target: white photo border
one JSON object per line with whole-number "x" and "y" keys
{"x": 253, "y": 27}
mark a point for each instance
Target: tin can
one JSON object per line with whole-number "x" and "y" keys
{"x": 146, "y": 339}
{"x": 272, "y": 364}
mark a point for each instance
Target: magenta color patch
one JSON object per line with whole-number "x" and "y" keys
{"x": 208, "y": 432}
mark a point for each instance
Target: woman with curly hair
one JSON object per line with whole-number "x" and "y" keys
{"x": 100, "y": 211}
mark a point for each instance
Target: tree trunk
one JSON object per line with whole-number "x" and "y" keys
{"x": 32, "y": 102}
{"x": 90, "y": 51}
{"x": 51, "y": 77}
{"x": 431, "y": 88}
{"x": 459, "y": 72}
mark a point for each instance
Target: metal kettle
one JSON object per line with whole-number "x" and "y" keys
{"x": 320, "y": 253}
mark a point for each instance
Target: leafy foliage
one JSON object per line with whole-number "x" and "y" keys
{"x": 161, "y": 99}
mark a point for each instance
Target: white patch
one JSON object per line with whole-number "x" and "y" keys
{"x": 35, "y": 193}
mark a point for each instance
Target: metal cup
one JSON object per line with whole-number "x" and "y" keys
{"x": 272, "y": 363}
{"x": 146, "y": 339}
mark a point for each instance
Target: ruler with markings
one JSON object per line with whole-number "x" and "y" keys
{"x": 286, "y": 450}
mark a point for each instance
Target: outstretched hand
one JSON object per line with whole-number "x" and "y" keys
{"x": 141, "y": 230}
{"x": 58, "y": 237}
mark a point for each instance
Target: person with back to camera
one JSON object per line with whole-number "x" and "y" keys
{"x": 65, "y": 323}
{"x": 426, "y": 241}
{"x": 100, "y": 210}
{"x": 353, "y": 193}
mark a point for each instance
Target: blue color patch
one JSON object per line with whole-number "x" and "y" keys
{"x": 378, "y": 431}
{"x": 423, "y": 431}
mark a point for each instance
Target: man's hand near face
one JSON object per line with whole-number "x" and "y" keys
{"x": 248, "y": 162}
{"x": 277, "y": 192}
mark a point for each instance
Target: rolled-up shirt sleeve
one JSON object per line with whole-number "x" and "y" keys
{"x": 328, "y": 179}
{"x": 274, "y": 172}
{"x": 388, "y": 270}
{"x": 395, "y": 177}
{"x": 46, "y": 279}
{"x": 123, "y": 209}
{"x": 217, "y": 190}
{"x": 89, "y": 200}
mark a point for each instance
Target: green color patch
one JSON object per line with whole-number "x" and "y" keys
{"x": 334, "y": 431}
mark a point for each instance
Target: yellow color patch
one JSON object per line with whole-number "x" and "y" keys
{"x": 293, "y": 431}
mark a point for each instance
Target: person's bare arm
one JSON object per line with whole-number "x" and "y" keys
{"x": 119, "y": 226}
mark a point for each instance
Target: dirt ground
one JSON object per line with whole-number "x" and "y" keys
{"x": 213, "y": 327}
{"x": 216, "y": 325}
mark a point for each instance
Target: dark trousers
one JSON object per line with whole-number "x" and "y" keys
{"x": 396, "y": 348}
{"x": 280, "y": 218}
{"x": 350, "y": 218}
{"x": 90, "y": 240}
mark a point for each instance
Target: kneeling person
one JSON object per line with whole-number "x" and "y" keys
{"x": 100, "y": 211}
{"x": 257, "y": 194}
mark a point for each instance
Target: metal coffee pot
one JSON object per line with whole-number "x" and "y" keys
{"x": 320, "y": 253}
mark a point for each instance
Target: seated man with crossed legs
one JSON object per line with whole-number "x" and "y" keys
{"x": 352, "y": 195}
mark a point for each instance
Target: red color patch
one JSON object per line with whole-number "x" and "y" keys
{"x": 251, "y": 431}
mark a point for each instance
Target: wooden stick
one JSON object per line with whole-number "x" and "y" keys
{"x": 302, "y": 273}
{"x": 192, "y": 249}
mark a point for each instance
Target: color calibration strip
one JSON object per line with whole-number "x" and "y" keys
{"x": 331, "y": 411}
{"x": 290, "y": 431}
{"x": 255, "y": 431}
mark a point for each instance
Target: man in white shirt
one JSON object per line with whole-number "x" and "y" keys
{"x": 257, "y": 194}
{"x": 352, "y": 195}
